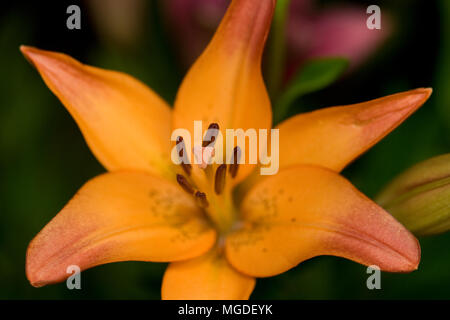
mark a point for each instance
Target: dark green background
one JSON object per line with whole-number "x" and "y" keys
{"x": 44, "y": 160}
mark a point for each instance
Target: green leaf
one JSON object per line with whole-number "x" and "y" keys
{"x": 277, "y": 47}
{"x": 315, "y": 75}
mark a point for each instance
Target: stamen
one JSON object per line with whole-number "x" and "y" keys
{"x": 211, "y": 135}
{"x": 187, "y": 168}
{"x": 184, "y": 183}
{"x": 201, "y": 199}
{"x": 219, "y": 182}
{"x": 180, "y": 147}
{"x": 183, "y": 157}
{"x": 234, "y": 167}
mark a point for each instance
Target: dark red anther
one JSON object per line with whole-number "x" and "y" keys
{"x": 220, "y": 179}
{"x": 234, "y": 167}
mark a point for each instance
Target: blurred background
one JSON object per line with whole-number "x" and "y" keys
{"x": 44, "y": 159}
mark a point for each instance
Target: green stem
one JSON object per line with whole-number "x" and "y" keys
{"x": 277, "y": 51}
{"x": 282, "y": 104}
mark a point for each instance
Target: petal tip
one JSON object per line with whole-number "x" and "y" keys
{"x": 28, "y": 51}
{"x": 416, "y": 261}
{"x": 24, "y": 48}
{"x": 412, "y": 260}
{"x": 419, "y": 96}
{"x": 37, "y": 284}
{"x": 34, "y": 55}
{"x": 426, "y": 92}
{"x": 30, "y": 272}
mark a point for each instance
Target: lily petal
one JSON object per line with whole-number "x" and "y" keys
{"x": 120, "y": 216}
{"x": 306, "y": 211}
{"x": 334, "y": 137}
{"x": 225, "y": 85}
{"x": 209, "y": 277}
{"x": 126, "y": 125}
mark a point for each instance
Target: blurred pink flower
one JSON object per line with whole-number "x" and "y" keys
{"x": 311, "y": 32}
{"x": 334, "y": 31}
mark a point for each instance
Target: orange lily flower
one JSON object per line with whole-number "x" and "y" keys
{"x": 148, "y": 209}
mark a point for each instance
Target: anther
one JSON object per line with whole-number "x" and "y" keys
{"x": 234, "y": 167}
{"x": 219, "y": 182}
{"x": 180, "y": 147}
{"x": 184, "y": 183}
{"x": 211, "y": 135}
{"x": 201, "y": 199}
{"x": 183, "y": 157}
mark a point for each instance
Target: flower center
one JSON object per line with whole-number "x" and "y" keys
{"x": 209, "y": 182}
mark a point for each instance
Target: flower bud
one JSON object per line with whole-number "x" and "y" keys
{"x": 420, "y": 197}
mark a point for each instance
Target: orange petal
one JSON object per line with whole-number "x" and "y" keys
{"x": 334, "y": 137}
{"x": 208, "y": 277}
{"x": 116, "y": 217}
{"x": 126, "y": 125}
{"x": 306, "y": 211}
{"x": 225, "y": 85}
